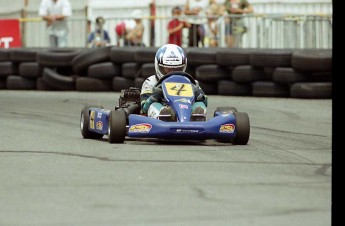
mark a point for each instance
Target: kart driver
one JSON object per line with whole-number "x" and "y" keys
{"x": 151, "y": 97}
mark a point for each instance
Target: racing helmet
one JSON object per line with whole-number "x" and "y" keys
{"x": 170, "y": 57}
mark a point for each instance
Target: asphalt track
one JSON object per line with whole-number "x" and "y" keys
{"x": 50, "y": 175}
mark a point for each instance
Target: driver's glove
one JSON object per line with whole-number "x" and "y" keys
{"x": 155, "y": 97}
{"x": 157, "y": 91}
{"x": 199, "y": 94}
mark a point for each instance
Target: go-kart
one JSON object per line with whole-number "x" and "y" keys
{"x": 126, "y": 120}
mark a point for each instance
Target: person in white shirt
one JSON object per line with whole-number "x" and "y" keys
{"x": 196, "y": 11}
{"x": 55, "y": 13}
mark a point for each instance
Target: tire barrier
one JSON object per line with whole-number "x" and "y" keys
{"x": 295, "y": 73}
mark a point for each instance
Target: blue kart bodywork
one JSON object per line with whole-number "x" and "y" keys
{"x": 218, "y": 127}
{"x": 178, "y": 93}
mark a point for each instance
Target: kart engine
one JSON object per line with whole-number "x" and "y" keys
{"x": 129, "y": 100}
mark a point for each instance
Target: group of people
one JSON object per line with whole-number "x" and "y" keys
{"x": 56, "y": 12}
{"x": 129, "y": 31}
{"x": 201, "y": 20}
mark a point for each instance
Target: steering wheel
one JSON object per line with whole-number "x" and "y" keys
{"x": 175, "y": 73}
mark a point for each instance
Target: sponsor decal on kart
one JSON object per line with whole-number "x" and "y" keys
{"x": 92, "y": 120}
{"x": 99, "y": 125}
{"x": 227, "y": 128}
{"x": 186, "y": 130}
{"x": 183, "y": 106}
{"x": 184, "y": 100}
{"x": 99, "y": 114}
{"x": 179, "y": 89}
{"x": 140, "y": 128}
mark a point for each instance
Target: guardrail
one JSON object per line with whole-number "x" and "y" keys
{"x": 262, "y": 31}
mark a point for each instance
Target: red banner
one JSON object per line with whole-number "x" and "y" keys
{"x": 10, "y": 33}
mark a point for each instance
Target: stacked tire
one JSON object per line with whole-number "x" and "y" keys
{"x": 297, "y": 73}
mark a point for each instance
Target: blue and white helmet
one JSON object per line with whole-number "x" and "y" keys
{"x": 170, "y": 57}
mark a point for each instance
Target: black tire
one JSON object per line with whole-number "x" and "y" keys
{"x": 201, "y": 56}
{"x": 131, "y": 70}
{"x": 30, "y": 69}
{"x": 312, "y": 90}
{"x": 56, "y": 59}
{"x": 233, "y": 57}
{"x": 190, "y": 69}
{"x": 16, "y": 82}
{"x": 8, "y": 68}
{"x": 24, "y": 54}
{"x": 120, "y": 83}
{"x": 288, "y": 75}
{"x": 82, "y": 61}
{"x": 104, "y": 70}
{"x": 147, "y": 70}
{"x": 212, "y": 73}
{"x": 145, "y": 55}
{"x": 231, "y": 88}
{"x": 3, "y": 83}
{"x": 270, "y": 89}
{"x": 248, "y": 74}
{"x": 84, "y": 124}
{"x": 117, "y": 126}
{"x": 123, "y": 54}
{"x": 271, "y": 58}
{"x": 242, "y": 129}
{"x": 58, "y": 81}
{"x": 5, "y": 55}
{"x": 138, "y": 82}
{"x": 225, "y": 110}
{"x": 88, "y": 84}
{"x": 42, "y": 85}
{"x": 312, "y": 60}
{"x": 210, "y": 88}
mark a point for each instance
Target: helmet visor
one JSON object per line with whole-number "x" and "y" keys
{"x": 166, "y": 70}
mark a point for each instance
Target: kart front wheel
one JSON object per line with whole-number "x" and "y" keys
{"x": 242, "y": 128}
{"x": 84, "y": 124}
{"x": 117, "y": 126}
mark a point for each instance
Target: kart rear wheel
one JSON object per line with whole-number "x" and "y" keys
{"x": 117, "y": 126}
{"x": 242, "y": 128}
{"x": 225, "y": 110}
{"x": 84, "y": 124}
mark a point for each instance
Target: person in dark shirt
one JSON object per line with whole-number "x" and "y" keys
{"x": 99, "y": 37}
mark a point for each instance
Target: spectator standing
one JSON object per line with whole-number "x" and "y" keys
{"x": 197, "y": 18}
{"x": 214, "y": 8}
{"x": 234, "y": 28}
{"x": 211, "y": 32}
{"x": 55, "y": 13}
{"x": 134, "y": 36}
{"x": 175, "y": 27}
{"x": 213, "y": 12}
{"x": 99, "y": 37}
{"x": 121, "y": 30}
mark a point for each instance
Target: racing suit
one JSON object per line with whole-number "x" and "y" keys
{"x": 151, "y": 98}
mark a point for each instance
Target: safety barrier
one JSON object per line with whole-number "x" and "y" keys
{"x": 262, "y": 31}
{"x": 305, "y": 73}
